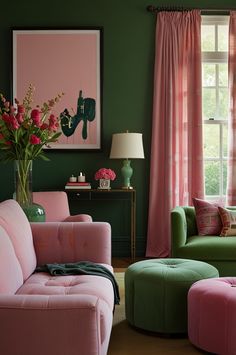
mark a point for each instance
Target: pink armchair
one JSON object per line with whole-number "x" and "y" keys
{"x": 56, "y": 206}
{"x": 52, "y": 315}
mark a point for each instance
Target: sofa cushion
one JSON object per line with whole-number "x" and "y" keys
{"x": 207, "y": 217}
{"x": 209, "y": 248}
{"x": 45, "y": 284}
{"x": 11, "y": 274}
{"x": 228, "y": 218}
{"x": 15, "y": 223}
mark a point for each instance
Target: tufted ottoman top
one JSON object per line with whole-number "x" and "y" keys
{"x": 174, "y": 269}
{"x": 156, "y": 292}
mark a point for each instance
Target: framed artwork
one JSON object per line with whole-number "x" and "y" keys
{"x": 68, "y": 61}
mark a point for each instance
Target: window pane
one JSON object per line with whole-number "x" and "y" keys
{"x": 223, "y": 104}
{"x": 209, "y": 103}
{"x": 209, "y": 74}
{"x": 223, "y": 32}
{"x": 212, "y": 178}
{"x": 225, "y": 140}
{"x": 211, "y": 140}
{"x": 208, "y": 38}
{"x": 224, "y": 177}
{"x": 223, "y": 75}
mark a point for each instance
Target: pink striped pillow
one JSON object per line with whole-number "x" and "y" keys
{"x": 207, "y": 217}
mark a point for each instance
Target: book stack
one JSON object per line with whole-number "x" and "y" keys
{"x": 77, "y": 185}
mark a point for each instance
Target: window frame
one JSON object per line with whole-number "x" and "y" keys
{"x": 216, "y": 57}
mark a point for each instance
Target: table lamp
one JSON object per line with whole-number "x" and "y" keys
{"x": 127, "y": 146}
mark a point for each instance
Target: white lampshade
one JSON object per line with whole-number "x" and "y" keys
{"x": 127, "y": 146}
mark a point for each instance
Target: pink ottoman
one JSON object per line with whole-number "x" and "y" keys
{"x": 212, "y": 315}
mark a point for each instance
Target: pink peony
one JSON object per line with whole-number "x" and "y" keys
{"x": 34, "y": 139}
{"x": 104, "y": 173}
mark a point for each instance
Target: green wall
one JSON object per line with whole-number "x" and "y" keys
{"x": 128, "y": 58}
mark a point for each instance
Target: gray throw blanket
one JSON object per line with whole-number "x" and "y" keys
{"x": 82, "y": 268}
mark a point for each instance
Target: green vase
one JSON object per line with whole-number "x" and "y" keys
{"x": 23, "y": 191}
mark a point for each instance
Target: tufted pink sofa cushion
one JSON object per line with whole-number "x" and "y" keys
{"x": 11, "y": 273}
{"x": 15, "y": 223}
{"x": 45, "y": 284}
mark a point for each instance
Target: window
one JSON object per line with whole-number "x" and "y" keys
{"x": 214, "y": 37}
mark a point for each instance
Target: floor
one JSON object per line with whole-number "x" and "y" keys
{"x": 121, "y": 264}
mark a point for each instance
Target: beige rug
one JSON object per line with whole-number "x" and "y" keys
{"x": 126, "y": 340}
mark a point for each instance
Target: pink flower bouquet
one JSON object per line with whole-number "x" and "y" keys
{"x": 24, "y": 131}
{"x": 104, "y": 173}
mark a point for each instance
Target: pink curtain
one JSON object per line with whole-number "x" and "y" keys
{"x": 176, "y": 149}
{"x": 231, "y": 181}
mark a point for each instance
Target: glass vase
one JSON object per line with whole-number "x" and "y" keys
{"x": 23, "y": 191}
{"x": 23, "y": 182}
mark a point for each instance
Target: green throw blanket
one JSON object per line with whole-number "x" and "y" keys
{"x": 81, "y": 268}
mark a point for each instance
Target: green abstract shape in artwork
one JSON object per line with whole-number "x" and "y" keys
{"x": 85, "y": 112}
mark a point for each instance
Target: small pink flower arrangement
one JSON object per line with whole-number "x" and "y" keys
{"x": 104, "y": 173}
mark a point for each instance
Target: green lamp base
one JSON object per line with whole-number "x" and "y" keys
{"x": 127, "y": 172}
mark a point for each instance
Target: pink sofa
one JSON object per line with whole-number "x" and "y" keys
{"x": 52, "y": 315}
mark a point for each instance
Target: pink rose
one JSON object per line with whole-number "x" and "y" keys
{"x": 34, "y": 139}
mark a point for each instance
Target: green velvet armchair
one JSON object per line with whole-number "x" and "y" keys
{"x": 186, "y": 243}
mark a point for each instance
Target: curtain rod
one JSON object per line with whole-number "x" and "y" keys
{"x": 155, "y": 9}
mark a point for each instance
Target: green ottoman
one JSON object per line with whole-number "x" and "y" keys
{"x": 156, "y": 292}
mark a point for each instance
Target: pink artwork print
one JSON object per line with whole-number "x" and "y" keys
{"x": 67, "y": 61}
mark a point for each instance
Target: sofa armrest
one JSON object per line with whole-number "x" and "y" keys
{"x": 82, "y": 322}
{"x": 62, "y": 242}
{"x": 178, "y": 230}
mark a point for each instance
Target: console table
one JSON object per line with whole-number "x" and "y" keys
{"x": 112, "y": 194}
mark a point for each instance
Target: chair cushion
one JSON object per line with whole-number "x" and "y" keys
{"x": 209, "y": 248}
{"x": 15, "y": 223}
{"x": 11, "y": 277}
